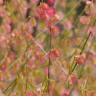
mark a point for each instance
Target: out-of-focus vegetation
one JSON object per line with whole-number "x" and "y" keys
{"x": 48, "y": 47}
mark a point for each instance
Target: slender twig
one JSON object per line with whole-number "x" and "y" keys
{"x": 82, "y": 50}
{"x": 85, "y": 43}
{"x": 10, "y": 85}
{"x": 50, "y": 44}
{"x": 18, "y": 72}
{"x": 26, "y": 78}
{"x": 13, "y": 87}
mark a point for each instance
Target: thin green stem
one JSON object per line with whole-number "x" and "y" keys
{"x": 85, "y": 43}
{"x": 50, "y": 44}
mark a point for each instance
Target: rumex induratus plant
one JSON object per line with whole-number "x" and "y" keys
{"x": 47, "y": 48}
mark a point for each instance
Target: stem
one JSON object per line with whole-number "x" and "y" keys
{"x": 85, "y": 43}
{"x": 50, "y": 44}
{"x": 13, "y": 82}
{"x": 75, "y": 65}
{"x": 26, "y": 79}
{"x": 12, "y": 88}
{"x": 18, "y": 72}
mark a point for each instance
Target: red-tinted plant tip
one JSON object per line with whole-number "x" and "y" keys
{"x": 44, "y": 12}
{"x": 85, "y": 20}
{"x": 31, "y": 94}
{"x": 66, "y": 92}
{"x": 54, "y": 31}
{"x": 68, "y": 24}
{"x": 51, "y": 2}
{"x": 4, "y": 67}
{"x": 54, "y": 53}
{"x": 80, "y": 59}
{"x": 53, "y": 20}
{"x": 73, "y": 79}
{"x": 51, "y": 11}
{"x": 92, "y": 30}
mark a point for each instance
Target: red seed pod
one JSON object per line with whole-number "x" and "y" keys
{"x": 43, "y": 6}
{"x": 51, "y": 11}
{"x": 85, "y": 20}
{"x": 51, "y": 2}
{"x": 80, "y": 59}
{"x": 66, "y": 92}
{"x": 92, "y": 29}
{"x": 73, "y": 79}
{"x": 54, "y": 31}
{"x": 3, "y": 67}
{"x": 45, "y": 12}
{"x": 68, "y": 24}
{"x": 41, "y": 11}
{"x": 54, "y": 20}
{"x": 54, "y": 53}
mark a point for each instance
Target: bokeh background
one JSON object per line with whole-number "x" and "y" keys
{"x": 48, "y": 47}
